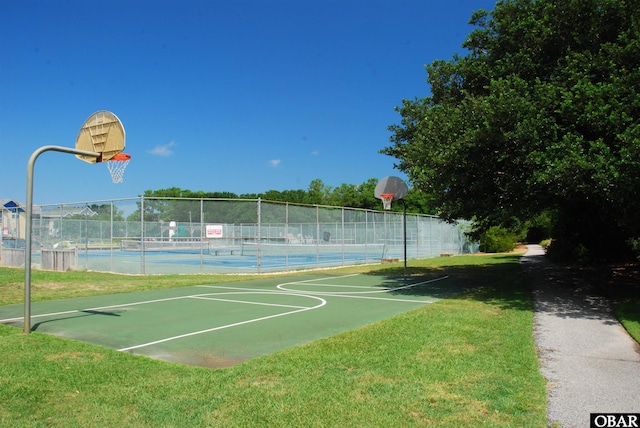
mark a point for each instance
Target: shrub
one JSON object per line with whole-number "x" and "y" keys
{"x": 497, "y": 240}
{"x": 539, "y": 228}
{"x": 563, "y": 250}
{"x": 634, "y": 244}
{"x": 545, "y": 243}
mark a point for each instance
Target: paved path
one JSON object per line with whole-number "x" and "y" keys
{"x": 590, "y": 362}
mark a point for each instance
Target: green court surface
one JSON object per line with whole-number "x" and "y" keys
{"x": 222, "y": 325}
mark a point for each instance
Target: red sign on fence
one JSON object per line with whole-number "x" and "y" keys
{"x": 214, "y": 231}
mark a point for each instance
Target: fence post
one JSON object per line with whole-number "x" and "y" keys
{"x": 202, "y": 235}
{"x": 259, "y": 237}
{"x": 404, "y": 234}
{"x": 317, "y": 234}
{"x": 342, "y": 232}
{"x": 142, "y": 267}
{"x": 286, "y": 234}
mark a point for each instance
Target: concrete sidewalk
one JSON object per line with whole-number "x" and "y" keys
{"x": 590, "y": 362}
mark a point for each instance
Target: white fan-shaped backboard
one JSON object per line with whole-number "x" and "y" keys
{"x": 391, "y": 185}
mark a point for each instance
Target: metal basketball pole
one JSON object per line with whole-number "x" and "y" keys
{"x": 27, "y": 249}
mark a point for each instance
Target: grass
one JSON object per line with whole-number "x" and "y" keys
{"x": 464, "y": 361}
{"x": 627, "y": 299}
{"x": 48, "y": 285}
{"x": 620, "y": 283}
{"x": 628, "y": 312}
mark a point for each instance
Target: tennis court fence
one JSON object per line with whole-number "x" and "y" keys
{"x": 176, "y": 235}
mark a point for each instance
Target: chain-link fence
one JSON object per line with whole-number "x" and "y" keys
{"x": 164, "y": 235}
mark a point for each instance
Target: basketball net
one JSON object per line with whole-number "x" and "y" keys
{"x": 117, "y": 165}
{"x": 387, "y": 198}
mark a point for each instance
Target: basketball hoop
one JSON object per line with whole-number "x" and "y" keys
{"x": 117, "y": 165}
{"x": 387, "y": 198}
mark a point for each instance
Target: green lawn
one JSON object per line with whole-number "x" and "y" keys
{"x": 466, "y": 361}
{"x": 628, "y": 312}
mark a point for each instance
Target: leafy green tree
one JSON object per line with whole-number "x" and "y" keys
{"x": 367, "y": 198}
{"x": 295, "y": 196}
{"x": 183, "y": 205}
{"x": 318, "y": 192}
{"x": 355, "y": 196}
{"x": 103, "y": 212}
{"x": 541, "y": 115}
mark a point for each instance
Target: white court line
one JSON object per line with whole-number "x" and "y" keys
{"x": 282, "y": 290}
{"x": 11, "y": 319}
{"x": 327, "y": 294}
{"x": 345, "y": 294}
{"x": 73, "y": 311}
{"x": 247, "y": 302}
{"x": 320, "y": 279}
{"x": 338, "y": 293}
{"x": 278, "y": 286}
{"x": 144, "y": 302}
{"x": 387, "y": 299}
{"x": 155, "y": 342}
{"x": 287, "y": 292}
{"x": 276, "y": 292}
{"x": 370, "y": 287}
{"x": 323, "y": 302}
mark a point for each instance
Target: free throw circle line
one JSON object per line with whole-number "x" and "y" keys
{"x": 236, "y": 324}
{"x": 246, "y": 302}
{"x": 124, "y": 305}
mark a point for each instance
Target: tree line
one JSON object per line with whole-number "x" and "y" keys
{"x": 317, "y": 193}
{"x": 539, "y": 120}
{"x": 183, "y": 205}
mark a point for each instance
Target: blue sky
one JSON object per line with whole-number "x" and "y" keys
{"x": 242, "y": 96}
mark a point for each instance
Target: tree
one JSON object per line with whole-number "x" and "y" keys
{"x": 183, "y": 205}
{"x": 104, "y": 212}
{"x": 318, "y": 192}
{"x": 354, "y": 195}
{"x": 541, "y": 115}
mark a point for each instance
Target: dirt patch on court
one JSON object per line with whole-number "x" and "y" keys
{"x": 207, "y": 360}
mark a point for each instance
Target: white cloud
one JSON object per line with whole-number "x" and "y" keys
{"x": 274, "y": 163}
{"x": 315, "y": 153}
{"x": 163, "y": 149}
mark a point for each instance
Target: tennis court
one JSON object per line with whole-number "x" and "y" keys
{"x": 210, "y": 235}
{"x": 229, "y": 259}
{"x": 225, "y": 324}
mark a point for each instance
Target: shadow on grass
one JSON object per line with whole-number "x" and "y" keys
{"x": 500, "y": 282}
{"x": 510, "y": 281}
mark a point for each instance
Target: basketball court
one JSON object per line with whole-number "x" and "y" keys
{"x": 216, "y": 325}
{"x": 222, "y": 325}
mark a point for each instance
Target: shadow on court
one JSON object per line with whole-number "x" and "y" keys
{"x": 504, "y": 284}
{"x": 80, "y": 314}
